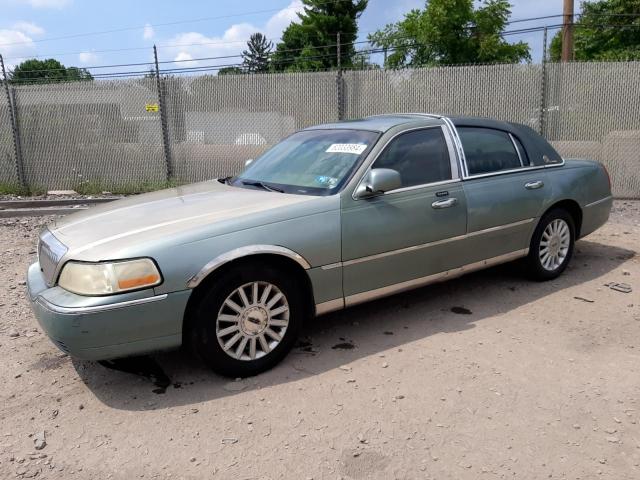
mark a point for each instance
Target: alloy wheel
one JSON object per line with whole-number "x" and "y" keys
{"x": 554, "y": 244}
{"x": 252, "y": 321}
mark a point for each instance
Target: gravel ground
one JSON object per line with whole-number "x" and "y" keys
{"x": 486, "y": 376}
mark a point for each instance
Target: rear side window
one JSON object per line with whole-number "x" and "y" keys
{"x": 488, "y": 150}
{"x": 420, "y": 156}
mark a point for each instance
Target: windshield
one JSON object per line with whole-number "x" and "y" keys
{"x": 312, "y": 162}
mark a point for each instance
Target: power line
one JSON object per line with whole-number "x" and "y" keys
{"x": 293, "y": 58}
{"x": 178, "y": 45}
{"x": 179, "y": 22}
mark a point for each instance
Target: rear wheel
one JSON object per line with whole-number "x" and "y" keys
{"x": 551, "y": 245}
{"x": 248, "y": 320}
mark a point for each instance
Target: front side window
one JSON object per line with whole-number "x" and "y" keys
{"x": 488, "y": 150}
{"x": 311, "y": 162}
{"x": 420, "y": 156}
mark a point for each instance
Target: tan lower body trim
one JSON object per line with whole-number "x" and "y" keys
{"x": 362, "y": 297}
{"x": 330, "y": 306}
{"x": 437, "y": 277}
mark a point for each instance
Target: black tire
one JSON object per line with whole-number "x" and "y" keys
{"x": 534, "y": 262}
{"x": 203, "y": 338}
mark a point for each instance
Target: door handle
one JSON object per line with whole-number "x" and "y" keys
{"x": 534, "y": 185}
{"x": 450, "y": 202}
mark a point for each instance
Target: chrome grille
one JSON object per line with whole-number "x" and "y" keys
{"x": 50, "y": 252}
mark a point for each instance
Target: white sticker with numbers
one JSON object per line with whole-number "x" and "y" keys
{"x": 355, "y": 148}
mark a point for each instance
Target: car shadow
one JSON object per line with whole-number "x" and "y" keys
{"x": 176, "y": 379}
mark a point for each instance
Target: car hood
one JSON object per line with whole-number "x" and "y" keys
{"x": 207, "y": 208}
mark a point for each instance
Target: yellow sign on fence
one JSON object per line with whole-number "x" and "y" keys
{"x": 151, "y": 107}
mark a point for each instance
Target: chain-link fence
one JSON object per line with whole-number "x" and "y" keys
{"x": 216, "y": 123}
{"x": 505, "y": 92}
{"x": 90, "y": 133}
{"x": 593, "y": 111}
{"x": 8, "y": 172}
{"x": 109, "y": 134}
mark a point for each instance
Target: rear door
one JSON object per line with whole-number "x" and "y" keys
{"x": 504, "y": 192}
{"x": 407, "y": 233}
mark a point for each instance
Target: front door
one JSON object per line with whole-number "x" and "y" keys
{"x": 410, "y": 232}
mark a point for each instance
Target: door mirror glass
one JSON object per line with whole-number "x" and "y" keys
{"x": 379, "y": 180}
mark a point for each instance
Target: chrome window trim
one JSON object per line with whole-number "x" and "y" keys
{"x": 244, "y": 252}
{"x": 514, "y": 170}
{"x": 518, "y": 152}
{"x": 96, "y": 308}
{"x": 416, "y": 187}
{"x": 456, "y": 138}
{"x": 455, "y": 173}
{"x": 362, "y": 297}
{"x": 413, "y": 248}
{"x": 597, "y": 202}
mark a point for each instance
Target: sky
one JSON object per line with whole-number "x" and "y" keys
{"x": 124, "y": 31}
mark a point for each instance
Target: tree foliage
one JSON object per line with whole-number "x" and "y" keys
{"x": 47, "y": 71}
{"x": 606, "y": 30}
{"x": 311, "y": 44}
{"x": 230, "y": 71}
{"x": 448, "y": 32}
{"x": 256, "y": 58}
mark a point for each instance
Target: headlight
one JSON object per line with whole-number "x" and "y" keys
{"x": 109, "y": 277}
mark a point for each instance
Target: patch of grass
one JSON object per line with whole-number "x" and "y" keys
{"x": 13, "y": 189}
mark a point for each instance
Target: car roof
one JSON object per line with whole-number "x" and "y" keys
{"x": 382, "y": 123}
{"x": 540, "y": 152}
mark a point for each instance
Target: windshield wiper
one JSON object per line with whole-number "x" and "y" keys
{"x": 225, "y": 180}
{"x": 264, "y": 186}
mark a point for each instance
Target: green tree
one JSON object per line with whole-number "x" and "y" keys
{"x": 47, "y": 71}
{"x": 606, "y": 30}
{"x": 311, "y": 44}
{"x": 230, "y": 71}
{"x": 256, "y": 58}
{"x": 448, "y": 32}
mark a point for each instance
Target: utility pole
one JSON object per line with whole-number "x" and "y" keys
{"x": 163, "y": 119}
{"x": 567, "y": 31}
{"x": 339, "y": 81}
{"x": 543, "y": 86}
{"x": 17, "y": 148}
{"x": 338, "y": 53}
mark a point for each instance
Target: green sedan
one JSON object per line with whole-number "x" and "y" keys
{"x": 333, "y": 216}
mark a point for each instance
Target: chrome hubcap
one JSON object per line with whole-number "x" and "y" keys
{"x": 554, "y": 244}
{"x": 252, "y": 320}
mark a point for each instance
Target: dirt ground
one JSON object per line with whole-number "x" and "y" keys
{"x": 486, "y": 376}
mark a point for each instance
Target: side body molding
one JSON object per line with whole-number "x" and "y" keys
{"x": 244, "y": 252}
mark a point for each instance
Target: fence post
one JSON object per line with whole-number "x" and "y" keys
{"x": 339, "y": 81}
{"x": 543, "y": 85}
{"x": 163, "y": 118}
{"x": 13, "y": 117}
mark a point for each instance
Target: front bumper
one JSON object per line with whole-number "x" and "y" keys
{"x": 101, "y": 328}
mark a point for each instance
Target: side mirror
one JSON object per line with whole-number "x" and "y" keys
{"x": 377, "y": 181}
{"x": 246, "y": 163}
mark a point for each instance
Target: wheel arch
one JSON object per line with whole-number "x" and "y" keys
{"x": 573, "y": 208}
{"x": 280, "y": 258}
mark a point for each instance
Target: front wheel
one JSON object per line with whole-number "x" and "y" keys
{"x": 551, "y": 245}
{"x": 247, "y": 321}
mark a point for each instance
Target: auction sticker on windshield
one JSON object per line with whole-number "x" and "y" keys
{"x": 355, "y": 148}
